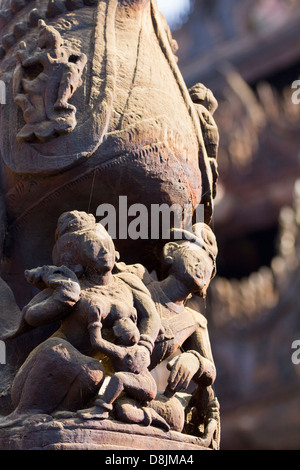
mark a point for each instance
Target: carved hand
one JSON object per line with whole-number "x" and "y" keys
{"x": 50, "y": 276}
{"x": 183, "y": 368}
{"x": 60, "y": 292}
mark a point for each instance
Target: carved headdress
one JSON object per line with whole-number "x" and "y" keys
{"x": 202, "y": 236}
{"x": 70, "y": 236}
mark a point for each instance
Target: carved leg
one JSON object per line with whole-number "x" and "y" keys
{"x": 103, "y": 406}
{"x": 140, "y": 386}
{"x": 54, "y": 377}
{"x": 129, "y": 411}
{"x": 66, "y": 89}
{"x": 204, "y": 410}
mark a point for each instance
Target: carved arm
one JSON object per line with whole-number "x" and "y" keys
{"x": 60, "y": 292}
{"x": 112, "y": 350}
{"x": 149, "y": 322}
{"x": 124, "y": 358}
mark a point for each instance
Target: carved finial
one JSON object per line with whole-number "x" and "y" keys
{"x": 17, "y": 5}
{"x": 55, "y": 8}
{"x": 20, "y": 29}
{"x": 5, "y": 17}
{"x": 34, "y": 16}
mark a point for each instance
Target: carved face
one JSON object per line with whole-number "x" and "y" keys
{"x": 97, "y": 254}
{"x": 137, "y": 360}
{"x": 190, "y": 264}
{"x": 88, "y": 250}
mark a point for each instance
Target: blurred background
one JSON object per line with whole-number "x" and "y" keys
{"x": 248, "y": 53}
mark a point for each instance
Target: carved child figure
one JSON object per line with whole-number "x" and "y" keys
{"x": 190, "y": 259}
{"x": 131, "y": 373}
{"x": 206, "y": 105}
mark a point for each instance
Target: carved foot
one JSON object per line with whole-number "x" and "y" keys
{"x": 64, "y": 414}
{"x": 208, "y": 437}
{"x": 63, "y": 105}
{"x": 18, "y": 419}
{"x": 11, "y": 420}
{"x": 95, "y": 412}
{"x": 153, "y": 418}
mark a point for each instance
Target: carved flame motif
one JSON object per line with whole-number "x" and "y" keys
{"x": 43, "y": 83}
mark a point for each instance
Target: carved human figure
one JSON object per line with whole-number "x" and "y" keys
{"x": 191, "y": 262}
{"x": 89, "y": 304}
{"x": 206, "y": 106}
{"x": 43, "y": 83}
{"x": 131, "y": 374}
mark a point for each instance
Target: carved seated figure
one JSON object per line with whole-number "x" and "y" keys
{"x": 190, "y": 260}
{"x": 64, "y": 372}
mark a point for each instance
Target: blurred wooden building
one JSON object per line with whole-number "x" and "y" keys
{"x": 248, "y": 53}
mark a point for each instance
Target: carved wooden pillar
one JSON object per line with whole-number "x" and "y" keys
{"x": 96, "y": 109}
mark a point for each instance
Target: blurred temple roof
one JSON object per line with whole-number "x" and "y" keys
{"x": 248, "y": 53}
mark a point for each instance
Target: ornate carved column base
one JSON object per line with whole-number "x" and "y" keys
{"x": 42, "y": 432}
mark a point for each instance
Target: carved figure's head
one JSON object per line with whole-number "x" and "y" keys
{"x": 191, "y": 257}
{"x": 48, "y": 38}
{"x": 136, "y": 360}
{"x": 83, "y": 245}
